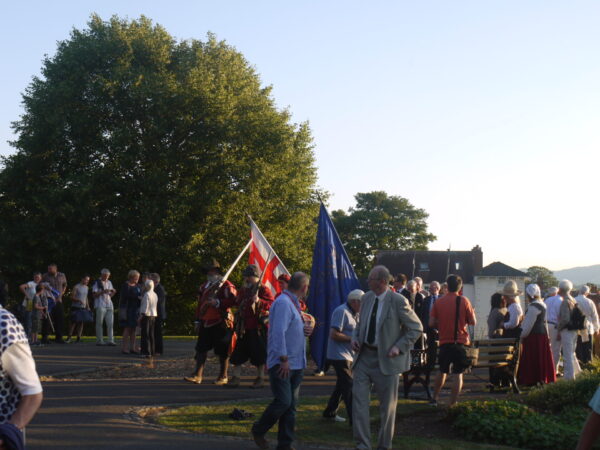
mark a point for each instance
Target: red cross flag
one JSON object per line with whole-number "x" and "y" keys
{"x": 263, "y": 255}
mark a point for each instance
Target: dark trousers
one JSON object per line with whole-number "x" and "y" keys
{"x": 147, "y": 327}
{"x": 58, "y": 319}
{"x": 158, "y": 336}
{"x": 342, "y": 390}
{"x": 283, "y": 407}
{"x": 583, "y": 351}
{"x": 46, "y": 329}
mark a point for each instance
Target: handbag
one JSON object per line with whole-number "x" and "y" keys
{"x": 471, "y": 354}
{"x": 87, "y": 316}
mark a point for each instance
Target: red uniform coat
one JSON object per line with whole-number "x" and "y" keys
{"x": 210, "y": 315}
{"x": 249, "y": 314}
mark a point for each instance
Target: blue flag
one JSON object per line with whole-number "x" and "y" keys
{"x": 331, "y": 279}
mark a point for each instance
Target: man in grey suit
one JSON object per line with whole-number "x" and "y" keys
{"x": 382, "y": 340}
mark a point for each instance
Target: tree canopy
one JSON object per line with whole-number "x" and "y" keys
{"x": 380, "y": 222}
{"x": 136, "y": 150}
{"x": 542, "y": 276}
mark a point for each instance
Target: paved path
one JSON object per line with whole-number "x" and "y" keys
{"x": 94, "y": 414}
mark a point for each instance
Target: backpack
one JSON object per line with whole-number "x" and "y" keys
{"x": 577, "y": 321}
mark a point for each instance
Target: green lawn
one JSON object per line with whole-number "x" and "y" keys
{"x": 310, "y": 426}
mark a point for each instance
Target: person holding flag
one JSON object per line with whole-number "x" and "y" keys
{"x": 253, "y": 303}
{"x": 213, "y": 322}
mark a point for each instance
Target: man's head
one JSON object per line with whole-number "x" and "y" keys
{"x": 454, "y": 283}
{"x": 552, "y": 291}
{"x": 283, "y": 280}
{"x": 565, "y": 287}
{"x": 498, "y": 301}
{"x": 419, "y": 282}
{"x": 85, "y": 280}
{"x": 584, "y": 290}
{"x": 52, "y": 269}
{"x": 511, "y": 292}
{"x": 251, "y": 275}
{"x": 299, "y": 284}
{"x": 104, "y": 274}
{"x": 399, "y": 281}
{"x": 434, "y": 288}
{"x": 37, "y": 277}
{"x": 213, "y": 270}
{"x": 379, "y": 277}
{"x": 133, "y": 276}
{"x": 155, "y": 277}
{"x": 354, "y": 299}
{"x": 412, "y": 286}
{"x": 444, "y": 288}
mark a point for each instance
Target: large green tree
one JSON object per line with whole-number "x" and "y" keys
{"x": 542, "y": 276}
{"x": 139, "y": 151}
{"x": 380, "y": 222}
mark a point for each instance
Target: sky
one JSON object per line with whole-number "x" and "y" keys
{"x": 485, "y": 114}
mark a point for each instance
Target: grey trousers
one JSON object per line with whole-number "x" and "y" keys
{"x": 367, "y": 372}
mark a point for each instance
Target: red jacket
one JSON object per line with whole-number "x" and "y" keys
{"x": 249, "y": 313}
{"x": 209, "y": 314}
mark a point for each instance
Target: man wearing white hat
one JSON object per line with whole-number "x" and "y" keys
{"x": 340, "y": 354}
{"x": 553, "y": 303}
{"x": 510, "y": 292}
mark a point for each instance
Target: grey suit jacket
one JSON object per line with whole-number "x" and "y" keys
{"x": 398, "y": 325}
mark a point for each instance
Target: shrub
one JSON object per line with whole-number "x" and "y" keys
{"x": 555, "y": 397}
{"x": 512, "y": 423}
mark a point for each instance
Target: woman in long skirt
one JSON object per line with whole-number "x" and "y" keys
{"x": 536, "y": 364}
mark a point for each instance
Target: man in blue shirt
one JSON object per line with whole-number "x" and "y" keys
{"x": 286, "y": 361}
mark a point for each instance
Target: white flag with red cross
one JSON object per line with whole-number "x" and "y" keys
{"x": 263, "y": 255}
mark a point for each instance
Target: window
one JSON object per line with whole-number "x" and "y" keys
{"x": 501, "y": 280}
{"x": 424, "y": 266}
{"x": 457, "y": 265}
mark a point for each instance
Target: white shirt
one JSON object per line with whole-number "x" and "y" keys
{"x": 18, "y": 363}
{"x": 588, "y": 308}
{"x": 29, "y": 292}
{"x": 148, "y": 305}
{"x": 516, "y": 312}
{"x": 380, "y": 304}
{"x": 530, "y": 318}
{"x": 103, "y": 300}
{"x": 553, "y": 309}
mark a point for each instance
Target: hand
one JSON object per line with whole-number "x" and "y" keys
{"x": 394, "y": 351}
{"x": 196, "y": 328}
{"x": 284, "y": 369}
{"x": 255, "y": 298}
{"x": 355, "y": 345}
{"x": 308, "y": 329}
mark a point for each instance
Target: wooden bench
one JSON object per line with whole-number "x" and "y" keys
{"x": 493, "y": 353}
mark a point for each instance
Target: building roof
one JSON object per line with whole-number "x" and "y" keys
{"x": 498, "y": 269}
{"x": 432, "y": 265}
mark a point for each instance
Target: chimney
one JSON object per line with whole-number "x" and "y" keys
{"x": 477, "y": 256}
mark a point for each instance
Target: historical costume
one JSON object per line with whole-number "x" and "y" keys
{"x": 213, "y": 320}
{"x": 536, "y": 364}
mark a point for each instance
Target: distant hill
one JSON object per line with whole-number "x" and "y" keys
{"x": 580, "y": 275}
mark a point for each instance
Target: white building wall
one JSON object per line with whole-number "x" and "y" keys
{"x": 485, "y": 287}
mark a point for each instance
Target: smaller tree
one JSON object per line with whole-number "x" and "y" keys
{"x": 542, "y": 276}
{"x": 380, "y": 222}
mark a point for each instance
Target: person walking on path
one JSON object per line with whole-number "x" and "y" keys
{"x": 103, "y": 292}
{"x": 286, "y": 362}
{"x": 592, "y": 325}
{"x": 79, "y": 307}
{"x": 253, "y": 302}
{"x": 57, "y": 281}
{"x": 553, "y": 302}
{"x": 569, "y": 327}
{"x": 454, "y": 336}
{"x": 340, "y": 354}
{"x": 161, "y": 313}
{"x": 382, "y": 340}
{"x": 147, "y": 318}
{"x": 129, "y": 310}
{"x": 213, "y": 323}
{"x": 536, "y": 365}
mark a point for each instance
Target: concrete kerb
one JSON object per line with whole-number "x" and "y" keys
{"x": 137, "y": 415}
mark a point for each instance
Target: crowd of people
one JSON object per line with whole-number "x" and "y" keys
{"x": 141, "y": 306}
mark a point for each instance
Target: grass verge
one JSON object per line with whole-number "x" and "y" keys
{"x": 310, "y": 426}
